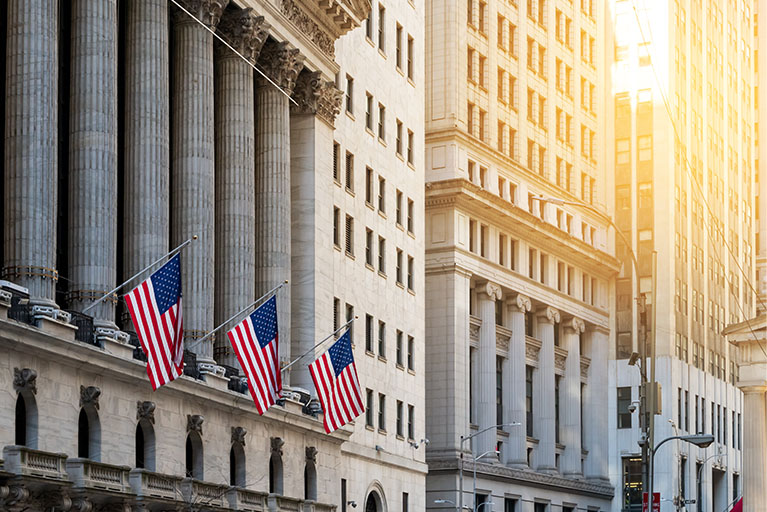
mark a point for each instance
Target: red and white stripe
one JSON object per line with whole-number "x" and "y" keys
{"x": 341, "y": 397}
{"x": 160, "y": 335}
{"x": 261, "y": 366}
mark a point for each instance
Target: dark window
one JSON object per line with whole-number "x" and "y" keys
{"x": 343, "y": 495}
{"x": 529, "y": 399}
{"x": 194, "y": 461}
{"x": 498, "y": 390}
{"x": 405, "y": 502}
{"x": 89, "y": 434}
{"x": 275, "y": 474}
{"x": 509, "y": 505}
{"x": 557, "y": 388}
{"x": 310, "y": 481}
{"x": 624, "y": 401}
{"x": 145, "y": 445}
{"x": 26, "y": 420}
{"x": 237, "y": 465}
{"x": 632, "y": 484}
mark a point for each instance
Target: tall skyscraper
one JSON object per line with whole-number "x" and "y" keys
{"x": 683, "y": 153}
{"x": 518, "y": 290}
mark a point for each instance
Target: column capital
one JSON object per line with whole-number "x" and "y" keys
{"x": 281, "y": 64}
{"x": 574, "y": 325}
{"x": 754, "y": 389}
{"x": 314, "y": 95}
{"x": 548, "y": 315}
{"x": 207, "y": 11}
{"x": 519, "y": 302}
{"x": 245, "y": 32}
{"x": 491, "y": 289}
{"x": 595, "y": 328}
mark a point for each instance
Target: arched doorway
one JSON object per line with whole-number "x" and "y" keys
{"x": 374, "y": 502}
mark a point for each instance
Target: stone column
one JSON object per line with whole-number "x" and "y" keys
{"x": 31, "y": 123}
{"x": 570, "y": 402}
{"x": 597, "y": 394}
{"x": 487, "y": 294}
{"x": 192, "y": 166}
{"x": 93, "y": 158}
{"x": 514, "y": 385}
{"x": 543, "y": 392}
{"x": 147, "y": 132}
{"x": 318, "y": 102}
{"x": 755, "y": 448}
{"x": 273, "y": 235}
{"x": 235, "y": 208}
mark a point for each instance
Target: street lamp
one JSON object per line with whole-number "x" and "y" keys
{"x": 474, "y": 467}
{"x": 460, "y": 466}
{"x": 449, "y": 502}
{"x": 699, "y": 440}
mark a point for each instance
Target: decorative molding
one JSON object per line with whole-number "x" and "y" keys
{"x": 585, "y": 363}
{"x": 207, "y": 11}
{"x": 307, "y": 26}
{"x": 276, "y": 445}
{"x": 238, "y": 435}
{"x": 532, "y": 350}
{"x": 281, "y": 64}
{"x": 194, "y": 423}
{"x": 145, "y": 411}
{"x": 25, "y": 379}
{"x": 502, "y": 339}
{"x": 474, "y": 325}
{"x": 548, "y": 314}
{"x": 521, "y": 303}
{"x": 560, "y": 361}
{"x": 316, "y": 96}
{"x": 90, "y": 396}
{"x": 311, "y": 454}
{"x": 245, "y": 32}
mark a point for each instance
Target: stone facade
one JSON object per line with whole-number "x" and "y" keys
{"x": 172, "y": 136}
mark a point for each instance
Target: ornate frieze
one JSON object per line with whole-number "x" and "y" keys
{"x": 281, "y": 64}
{"x": 316, "y": 34}
{"x": 316, "y": 96}
{"x": 245, "y": 32}
{"x": 585, "y": 363}
{"x": 90, "y": 396}
{"x": 532, "y": 348}
{"x": 207, "y": 11}
{"x": 560, "y": 359}
{"x": 25, "y": 379}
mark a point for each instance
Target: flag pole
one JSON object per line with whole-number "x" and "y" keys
{"x": 225, "y": 322}
{"x": 134, "y": 276}
{"x": 317, "y": 345}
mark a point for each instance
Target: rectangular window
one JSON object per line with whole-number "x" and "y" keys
{"x": 398, "y": 143}
{"x": 400, "y": 426}
{"x": 529, "y": 400}
{"x": 369, "y": 111}
{"x": 349, "y": 172}
{"x": 405, "y": 502}
{"x": 399, "y": 348}
{"x": 369, "y": 413}
{"x": 398, "y": 55}
{"x": 369, "y": 186}
{"x": 411, "y": 353}
{"x": 349, "y": 94}
{"x": 557, "y": 402}
{"x": 343, "y": 495}
{"x": 336, "y": 313}
{"x": 336, "y": 163}
{"x": 369, "y": 333}
{"x": 410, "y": 273}
{"x": 349, "y": 235}
{"x": 382, "y": 255}
{"x": 381, "y": 194}
{"x": 381, "y": 412}
{"x": 381, "y": 27}
{"x": 349, "y": 316}
{"x": 369, "y": 246}
{"x": 498, "y": 390}
{"x": 632, "y": 484}
{"x": 398, "y": 207}
{"x": 336, "y": 226}
{"x": 410, "y": 56}
{"x": 410, "y": 422}
{"x": 398, "y": 275}
{"x": 381, "y": 122}
{"x": 410, "y": 141}
{"x": 624, "y": 401}
{"x": 410, "y": 208}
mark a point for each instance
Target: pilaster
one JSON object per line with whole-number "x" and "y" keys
{"x": 543, "y": 392}
{"x": 755, "y": 448}
{"x": 515, "y": 407}
{"x": 570, "y": 398}
{"x": 487, "y": 294}
{"x": 596, "y": 396}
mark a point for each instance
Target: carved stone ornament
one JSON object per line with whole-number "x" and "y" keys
{"x": 309, "y": 28}
{"x": 575, "y": 324}
{"x": 523, "y": 303}
{"x": 145, "y": 410}
{"x": 276, "y": 445}
{"x": 207, "y": 11}
{"x": 502, "y": 342}
{"x": 238, "y": 435}
{"x": 316, "y": 96}
{"x": 492, "y": 290}
{"x": 194, "y": 423}
{"x": 559, "y": 362}
{"x": 281, "y": 64}
{"x": 585, "y": 363}
{"x": 531, "y": 352}
{"x": 245, "y": 32}
{"x": 474, "y": 332}
{"x": 311, "y": 454}
{"x": 548, "y": 315}
{"x": 90, "y": 396}
{"x": 25, "y": 379}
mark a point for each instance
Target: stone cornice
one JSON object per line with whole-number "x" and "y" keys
{"x": 501, "y": 472}
{"x": 313, "y": 95}
{"x": 245, "y": 32}
{"x": 324, "y": 21}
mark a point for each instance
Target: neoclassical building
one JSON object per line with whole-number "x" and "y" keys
{"x": 518, "y": 309}
{"x": 132, "y": 126}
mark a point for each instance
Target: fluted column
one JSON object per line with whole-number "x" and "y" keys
{"x": 192, "y": 165}
{"x": 273, "y": 235}
{"x": 93, "y": 157}
{"x": 487, "y": 294}
{"x": 754, "y": 449}
{"x": 317, "y": 102}
{"x": 31, "y": 122}
{"x": 235, "y": 208}
{"x": 514, "y": 385}
{"x": 596, "y": 434}
{"x": 147, "y": 147}
{"x": 543, "y": 392}
{"x": 570, "y": 402}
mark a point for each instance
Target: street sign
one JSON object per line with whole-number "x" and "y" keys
{"x": 655, "y": 502}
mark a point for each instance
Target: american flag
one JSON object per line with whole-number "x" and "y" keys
{"x": 155, "y": 308}
{"x": 335, "y": 378}
{"x": 255, "y": 343}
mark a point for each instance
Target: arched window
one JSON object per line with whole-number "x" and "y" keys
{"x": 275, "y": 474}
{"x": 26, "y": 419}
{"x": 194, "y": 462}
{"x": 145, "y": 445}
{"x": 310, "y": 481}
{"x": 89, "y": 434}
{"x": 373, "y": 503}
{"x": 237, "y": 465}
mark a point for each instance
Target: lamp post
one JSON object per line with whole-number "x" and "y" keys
{"x": 460, "y": 465}
{"x": 474, "y": 476}
{"x": 646, "y": 418}
{"x": 700, "y": 474}
{"x": 450, "y": 502}
{"x": 700, "y": 440}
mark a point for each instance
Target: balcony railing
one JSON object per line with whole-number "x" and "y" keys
{"x": 154, "y": 485}
{"x": 88, "y": 474}
{"x": 23, "y": 461}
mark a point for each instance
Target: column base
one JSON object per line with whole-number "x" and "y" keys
{"x": 517, "y": 464}
{"x": 56, "y": 327}
{"x": 214, "y": 375}
{"x": 549, "y": 470}
{"x": 575, "y": 475}
{"x": 598, "y": 479}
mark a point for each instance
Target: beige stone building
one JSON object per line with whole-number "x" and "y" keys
{"x": 129, "y": 128}
{"x": 683, "y": 150}
{"x": 518, "y": 291}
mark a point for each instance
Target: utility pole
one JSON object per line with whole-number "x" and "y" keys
{"x": 655, "y": 388}
{"x": 643, "y": 409}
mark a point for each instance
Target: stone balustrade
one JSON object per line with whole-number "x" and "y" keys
{"x": 23, "y": 461}
{"x": 89, "y": 474}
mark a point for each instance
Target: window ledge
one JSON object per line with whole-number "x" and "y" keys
{"x": 350, "y": 255}
{"x": 369, "y": 267}
{"x": 411, "y": 371}
{"x": 370, "y": 428}
{"x": 370, "y": 132}
{"x": 400, "y": 285}
{"x": 370, "y": 205}
{"x": 411, "y": 291}
{"x": 382, "y": 141}
{"x": 400, "y": 367}
{"x": 369, "y": 353}
{"x": 337, "y": 247}
{"x": 382, "y": 274}
{"x": 382, "y": 214}
{"x": 382, "y": 359}
{"x": 410, "y": 81}
{"x": 350, "y": 191}
{"x": 382, "y": 431}
{"x": 350, "y": 116}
